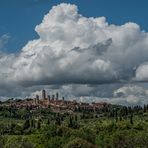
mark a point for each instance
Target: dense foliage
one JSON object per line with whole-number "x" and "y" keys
{"x": 113, "y": 127}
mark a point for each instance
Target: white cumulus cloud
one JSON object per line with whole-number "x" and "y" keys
{"x": 131, "y": 94}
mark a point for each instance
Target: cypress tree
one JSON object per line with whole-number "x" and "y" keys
{"x": 116, "y": 115}
{"x": 48, "y": 121}
{"x": 131, "y": 118}
{"x": 32, "y": 123}
{"x": 144, "y": 108}
{"x": 38, "y": 124}
{"x": 26, "y": 124}
{"x": 76, "y": 118}
{"x": 70, "y": 122}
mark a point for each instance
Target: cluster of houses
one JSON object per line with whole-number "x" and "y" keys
{"x": 55, "y": 103}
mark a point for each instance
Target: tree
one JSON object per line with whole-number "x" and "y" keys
{"x": 76, "y": 118}
{"x": 116, "y": 115}
{"x": 26, "y": 124}
{"x": 144, "y": 108}
{"x": 58, "y": 121}
{"x": 120, "y": 118}
{"x": 70, "y": 122}
{"x": 38, "y": 124}
{"x": 121, "y": 113}
{"x": 32, "y": 124}
{"x": 131, "y": 118}
{"x": 48, "y": 121}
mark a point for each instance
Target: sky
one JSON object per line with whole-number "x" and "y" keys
{"x": 19, "y": 18}
{"x": 90, "y": 51}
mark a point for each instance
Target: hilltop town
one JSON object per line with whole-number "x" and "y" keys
{"x": 56, "y": 103}
{"x": 56, "y": 122}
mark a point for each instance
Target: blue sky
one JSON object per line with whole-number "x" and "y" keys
{"x": 18, "y": 18}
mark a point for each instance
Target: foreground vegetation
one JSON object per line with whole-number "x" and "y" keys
{"x": 113, "y": 127}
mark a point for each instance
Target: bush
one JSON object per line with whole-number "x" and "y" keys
{"x": 79, "y": 143}
{"x": 19, "y": 142}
